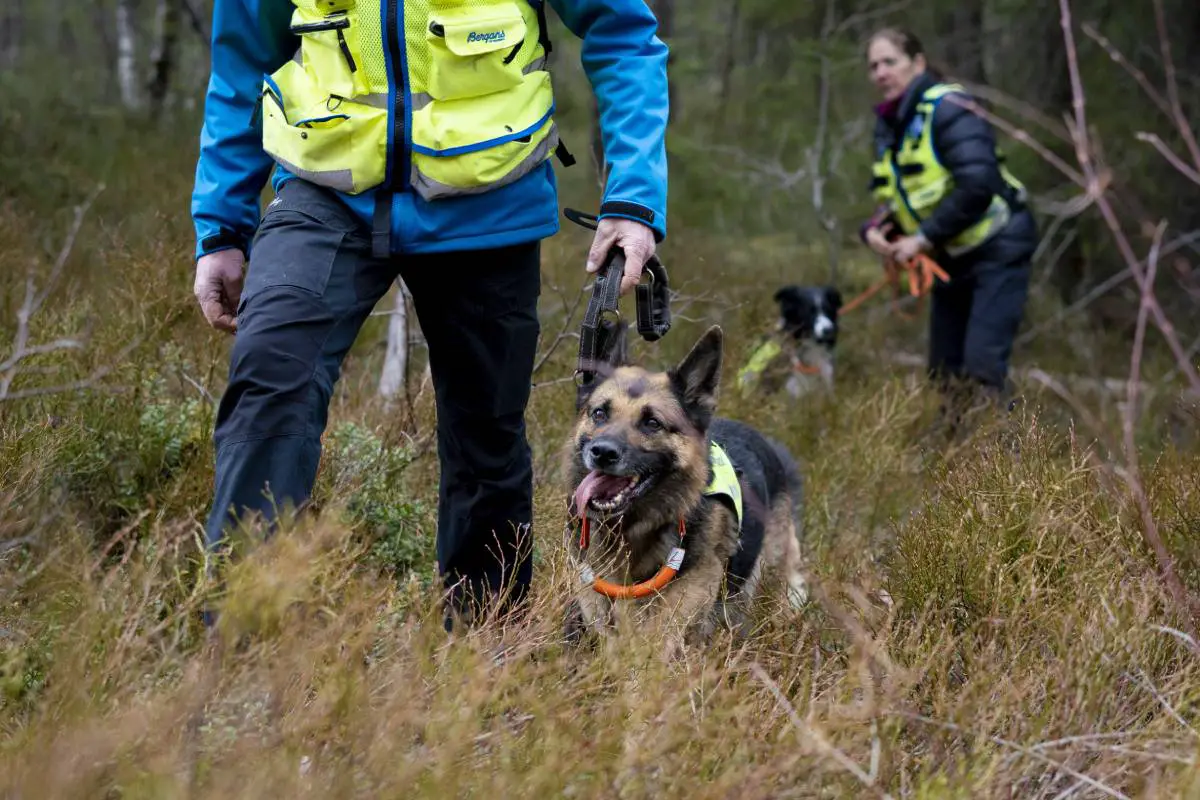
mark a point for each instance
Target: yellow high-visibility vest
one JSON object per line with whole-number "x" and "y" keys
{"x": 912, "y": 181}
{"x": 480, "y": 101}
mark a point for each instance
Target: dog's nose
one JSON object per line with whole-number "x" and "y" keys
{"x": 824, "y": 327}
{"x": 603, "y": 454}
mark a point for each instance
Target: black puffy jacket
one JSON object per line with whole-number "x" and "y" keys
{"x": 966, "y": 146}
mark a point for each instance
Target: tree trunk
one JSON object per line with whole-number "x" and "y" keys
{"x": 961, "y": 34}
{"x": 127, "y": 56}
{"x": 393, "y": 380}
{"x": 731, "y": 45}
{"x": 11, "y": 29}
{"x": 162, "y": 60}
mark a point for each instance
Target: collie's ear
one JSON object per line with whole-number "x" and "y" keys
{"x": 835, "y": 297}
{"x": 785, "y": 292}
{"x": 697, "y": 378}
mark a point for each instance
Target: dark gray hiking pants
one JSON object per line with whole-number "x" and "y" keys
{"x": 311, "y": 283}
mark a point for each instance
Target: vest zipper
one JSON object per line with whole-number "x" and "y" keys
{"x": 400, "y": 166}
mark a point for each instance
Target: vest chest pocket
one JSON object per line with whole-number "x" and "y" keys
{"x": 475, "y": 145}
{"x": 329, "y": 48}
{"x": 473, "y": 50}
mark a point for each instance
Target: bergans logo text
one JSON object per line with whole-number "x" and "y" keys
{"x": 489, "y": 37}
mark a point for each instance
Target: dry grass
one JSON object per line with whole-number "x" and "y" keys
{"x": 1028, "y": 649}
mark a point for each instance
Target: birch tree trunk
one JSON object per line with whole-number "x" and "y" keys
{"x": 127, "y": 56}
{"x": 393, "y": 379}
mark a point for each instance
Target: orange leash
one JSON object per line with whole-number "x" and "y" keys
{"x": 619, "y": 591}
{"x": 921, "y": 272}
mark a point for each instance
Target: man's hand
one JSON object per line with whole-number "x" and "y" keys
{"x": 218, "y": 287}
{"x": 907, "y": 248}
{"x": 877, "y": 239}
{"x": 634, "y": 238}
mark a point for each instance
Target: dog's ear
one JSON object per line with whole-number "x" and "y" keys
{"x": 835, "y": 297}
{"x": 617, "y": 356}
{"x": 697, "y": 378}
{"x": 785, "y": 293}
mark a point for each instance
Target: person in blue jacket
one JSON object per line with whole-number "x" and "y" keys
{"x": 412, "y": 139}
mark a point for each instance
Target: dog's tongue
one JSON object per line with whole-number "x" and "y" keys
{"x": 597, "y": 484}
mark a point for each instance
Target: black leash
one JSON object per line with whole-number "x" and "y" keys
{"x": 600, "y": 328}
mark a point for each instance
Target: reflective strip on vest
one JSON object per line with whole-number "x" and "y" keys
{"x": 480, "y": 101}
{"x": 913, "y": 181}
{"x": 724, "y": 481}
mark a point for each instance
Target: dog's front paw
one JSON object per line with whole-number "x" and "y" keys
{"x": 797, "y": 591}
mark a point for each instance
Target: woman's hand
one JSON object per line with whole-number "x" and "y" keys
{"x": 877, "y": 239}
{"x": 906, "y": 248}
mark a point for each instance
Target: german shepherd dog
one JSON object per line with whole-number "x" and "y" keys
{"x": 639, "y": 461}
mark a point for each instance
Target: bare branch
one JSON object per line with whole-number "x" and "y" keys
{"x": 1083, "y": 154}
{"x": 1022, "y": 136}
{"x": 564, "y": 332}
{"x": 1181, "y": 121}
{"x": 1174, "y": 160}
{"x": 1102, "y": 288}
{"x": 1117, "y": 56}
{"x": 862, "y": 17}
{"x": 813, "y": 734}
{"x": 1132, "y": 471}
{"x": 197, "y": 20}
{"x": 1026, "y": 751}
{"x": 10, "y": 366}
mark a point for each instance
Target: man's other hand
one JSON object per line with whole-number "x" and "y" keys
{"x": 634, "y": 238}
{"x": 218, "y": 287}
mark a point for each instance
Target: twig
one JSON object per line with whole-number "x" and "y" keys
{"x": 860, "y": 17}
{"x": 815, "y": 735}
{"x": 1083, "y": 155}
{"x": 1118, "y": 57}
{"x": 564, "y": 332}
{"x": 1139, "y": 342}
{"x": 199, "y": 387}
{"x": 1058, "y": 765}
{"x": 1102, "y": 288}
{"x": 1022, "y": 136}
{"x": 197, "y": 20}
{"x": 10, "y": 367}
{"x": 1027, "y": 110}
{"x": 1059, "y": 250}
{"x": 1132, "y": 471}
{"x": 1180, "y": 635}
{"x": 1181, "y": 121}
{"x": 1172, "y": 159}
{"x": 553, "y": 382}
{"x": 1054, "y": 385}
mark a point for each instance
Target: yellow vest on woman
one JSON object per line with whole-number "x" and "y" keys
{"x": 912, "y": 181}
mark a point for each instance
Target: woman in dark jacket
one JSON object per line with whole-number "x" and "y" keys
{"x": 944, "y": 191}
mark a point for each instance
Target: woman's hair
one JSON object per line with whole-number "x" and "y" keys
{"x": 906, "y": 42}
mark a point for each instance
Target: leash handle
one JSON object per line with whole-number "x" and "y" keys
{"x": 599, "y": 330}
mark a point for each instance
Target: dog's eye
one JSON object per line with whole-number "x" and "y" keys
{"x": 652, "y": 424}
{"x": 599, "y": 415}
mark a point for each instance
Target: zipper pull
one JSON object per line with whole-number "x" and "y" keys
{"x": 346, "y": 51}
